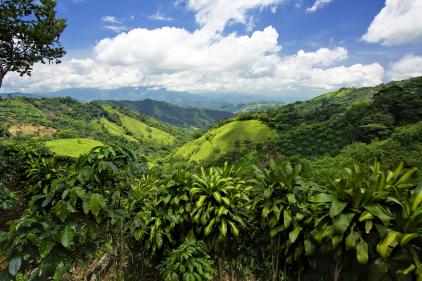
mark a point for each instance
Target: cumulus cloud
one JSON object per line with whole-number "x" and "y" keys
{"x": 214, "y": 15}
{"x": 180, "y": 60}
{"x": 399, "y": 22}
{"x": 408, "y": 66}
{"x": 203, "y": 60}
{"x": 318, "y": 4}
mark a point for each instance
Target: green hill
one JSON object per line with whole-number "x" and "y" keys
{"x": 136, "y": 128}
{"x": 320, "y": 127}
{"x": 58, "y": 119}
{"x": 173, "y": 114}
{"x": 72, "y": 147}
{"x": 231, "y": 137}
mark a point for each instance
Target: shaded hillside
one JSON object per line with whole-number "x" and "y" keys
{"x": 251, "y": 107}
{"x": 326, "y": 124}
{"x": 323, "y": 126}
{"x": 173, "y": 114}
{"x": 233, "y": 137}
{"x": 70, "y": 128}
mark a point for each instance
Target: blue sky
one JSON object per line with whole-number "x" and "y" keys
{"x": 256, "y": 47}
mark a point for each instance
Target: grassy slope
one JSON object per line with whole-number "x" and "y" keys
{"x": 173, "y": 114}
{"x": 142, "y": 131}
{"x": 116, "y": 130}
{"x": 223, "y": 140}
{"x": 139, "y": 129}
{"x": 72, "y": 147}
{"x": 17, "y": 110}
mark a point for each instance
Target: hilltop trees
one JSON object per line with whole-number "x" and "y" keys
{"x": 29, "y": 33}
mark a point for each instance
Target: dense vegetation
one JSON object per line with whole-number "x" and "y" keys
{"x": 188, "y": 224}
{"x": 59, "y": 120}
{"x": 174, "y": 114}
{"x": 327, "y": 189}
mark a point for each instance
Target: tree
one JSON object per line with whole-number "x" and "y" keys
{"x": 29, "y": 33}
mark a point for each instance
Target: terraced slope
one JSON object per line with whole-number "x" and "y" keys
{"x": 234, "y": 136}
{"x": 72, "y": 147}
{"x": 138, "y": 129}
{"x": 116, "y": 130}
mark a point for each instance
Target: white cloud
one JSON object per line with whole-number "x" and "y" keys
{"x": 116, "y": 28}
{"x": 214, "y": 15}
{"x": 180, "y": 60}
{"x": 204, "y": 60}
{"x": 408, "y": 66}
{"x": 111, "y": 19}
{"x": 160, "y": 17}
{"x": 318, "y": 5}
{"x": 399, "y": 22}
{"x": 114, "y": 24}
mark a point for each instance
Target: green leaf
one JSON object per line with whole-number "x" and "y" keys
{"x": 208, "y": 229}
{"x": 294, "y": 234}
{"x": 96, "y": 203}
{"x": 200, "y": 201}
{"x": 406, "y": 176}
{"x": 362, "y": 252}
{"x": 342, "y": 222}
{"x": 351, "y": 240}
{"x": 366, "y": 216}
{"x": 322, "y": 198}
{"x": 265, "y": 212}
{"x": 276, "y": 231}
{"x": 417, "y": 201}
{"x": 368, "y": 226}
{"x": 14, "y": 265}
{"x": 386, "y": 247}
{"x": 233, "y": 228}
{"x": 309, "y": 247}
{"x": 380, "y": 212}
{"x": 336, "y": 208}
{"x": 287, "y": 218}
{"x": 407, "y": 237}
{"x": 66, "y": 237}
{"x": 45, "y": 248}
{"x": 223, "y": 227}
{"x": 217, "y": 196}
{"x": 407, "y": 270}
{"x": 291, "y": 198}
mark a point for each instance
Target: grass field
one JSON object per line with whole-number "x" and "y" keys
{"x": 116, "y": 130}
{"x": 226, "y": 139}
{"x": 72, "y": 147}
{"x": 138, "y": 129}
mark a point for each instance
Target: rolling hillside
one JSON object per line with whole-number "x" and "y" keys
{"x": 232, "y": 137}
{"x": 70, "y": 128}
{"x": 72, "y": 147}
{"x": 173, "y": 114}
{"x": 321, "y": 127}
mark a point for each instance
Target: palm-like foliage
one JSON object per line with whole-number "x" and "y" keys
{"x": 220, "y": 204}
{"x": 189, "y": 262}
{"x": 163, "y": 211}
{"x": 281, "y": 201}
{"x": 356, "y": 211}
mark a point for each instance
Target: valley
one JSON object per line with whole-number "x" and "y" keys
{"x": 83, "y": 167}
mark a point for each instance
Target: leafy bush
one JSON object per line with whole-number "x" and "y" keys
{"x": 189, "y": 262}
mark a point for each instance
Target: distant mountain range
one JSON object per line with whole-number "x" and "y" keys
{"x": 173, "y": 114}
{"x": 223, "y": 102}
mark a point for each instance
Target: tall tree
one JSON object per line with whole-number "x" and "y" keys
{"x": 29, "y": 33}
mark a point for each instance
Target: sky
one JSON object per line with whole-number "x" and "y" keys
{"x": 254, "y": 47}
